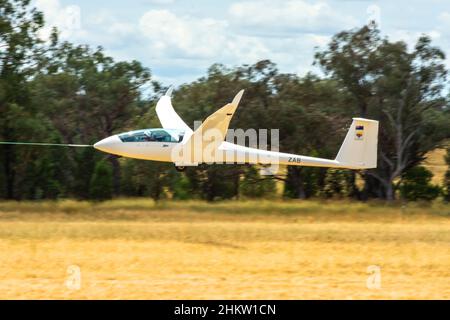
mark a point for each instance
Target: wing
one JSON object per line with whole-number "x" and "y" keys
{"x": 167, "y": 116}
{"x": 208, "y": 137}
{"x": 214, "y": 128}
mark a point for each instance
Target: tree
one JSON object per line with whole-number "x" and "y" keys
{"x": 146, "y": 178}
{"x": 411, "y": 108}
{"x": 337, "y": 183}
{"x": 19, "y": 48}
{"x": 66, "y": 93}
{"x": 401, "y": 89}
{"x": 92, "y": 96}
{"x": 416, "y": 185}
{"x": 181, "y": 188}
{"x": 301, "y": 111}
{"x": 351, "y": 59}
{"x": 198, "y": 100}
{"x": 101, "y": 185}
{"x": 255, "y": 186}
{"x": 447, "y": 177}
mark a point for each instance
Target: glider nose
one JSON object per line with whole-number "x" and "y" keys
{"x": 109, "y": 145}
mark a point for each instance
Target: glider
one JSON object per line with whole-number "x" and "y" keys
{"x": 176, "y": 142}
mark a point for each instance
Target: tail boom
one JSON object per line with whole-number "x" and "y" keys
{"x": 358, "y": 151}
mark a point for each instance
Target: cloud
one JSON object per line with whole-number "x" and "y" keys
{"x": 66, "y": 18}
{"x": 444, "y": 23}
{"x": 289, "y": 17}
{"x": 192, "y": 44}
{"x": 179, "y": 46}
{"x": 109, "y": 31}
{"x": 186, "y": 37}
{"x": 445, "y": 17}
{"x": 411, "y": 37}
{"x": 170, "y": 34}
{"x": 444, "y": 29}
{"x": 182, "y": 45}
{"x": 159, "y": 1}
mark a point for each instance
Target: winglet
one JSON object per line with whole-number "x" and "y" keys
{"x": 167, "y": 116}
{"x": 237, "y": 98}
{"x": 169, "y": 92}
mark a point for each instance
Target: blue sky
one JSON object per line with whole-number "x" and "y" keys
{"x": 179, "y": 39}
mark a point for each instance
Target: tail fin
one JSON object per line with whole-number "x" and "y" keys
{"x": 359, "y": 150}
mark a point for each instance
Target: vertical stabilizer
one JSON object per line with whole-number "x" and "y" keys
{"x": 359, "y": 150}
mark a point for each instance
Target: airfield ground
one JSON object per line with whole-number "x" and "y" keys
{"x": 232, "y": 250}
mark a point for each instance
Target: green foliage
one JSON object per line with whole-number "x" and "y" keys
{"x": 416, "y": 185}
{"x": 101, "y": 185}
{"x": 446, "y": 188}
{"x": 146, "y": 178}
{"x": 336, "y": 184}
{"x": 65, "y": 93}
{"x": 253, "y": 185}
{"x": 303, "y": 182}
{"x": 218, "y": 182}
{"x": 401, "y": 88}
{"x": 20, "y": 45}
{"x": 181, "y": 188}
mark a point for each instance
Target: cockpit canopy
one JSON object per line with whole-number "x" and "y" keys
{"x": 155, "y": 135}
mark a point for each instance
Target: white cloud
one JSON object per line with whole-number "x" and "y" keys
{"x": 445, "y": 17}
{"x": 170, "y": 34}
{"x": 444, "y": 29}
{"x": 187, "y": 44}
{"x": 104, "y": 27}
{"x": 444, "y": 25}
{"x": 180, "y": 43}
{"x": 193, "y": 38}
{"x": 109, "y": 31}
{"x": 121, "y": 28}
{"x": 66, "y": 18}
{"x": 159, "y": 1}
{"x": 411, "y": 37}
{"x": 289, "y": 17}
{"x": 196, "y": 43}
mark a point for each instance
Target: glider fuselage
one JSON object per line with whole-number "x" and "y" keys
{"x": 226, "y": 152}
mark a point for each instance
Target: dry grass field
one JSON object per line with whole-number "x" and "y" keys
{"x": 135, "y": 249}
{"x": 435, "y": 162}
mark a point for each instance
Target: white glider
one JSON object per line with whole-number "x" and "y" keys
{"x": 176, "y": 142}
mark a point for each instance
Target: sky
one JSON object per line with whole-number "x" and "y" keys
{"x": 179, "y": 39}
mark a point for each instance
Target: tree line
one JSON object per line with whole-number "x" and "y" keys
{"x": 59, "y": 92}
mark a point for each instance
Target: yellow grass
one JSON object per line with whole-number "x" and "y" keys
{"x": 233, "y": 250}
{"x": 435, "y": 162}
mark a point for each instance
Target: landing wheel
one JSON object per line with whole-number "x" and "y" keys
{"x": 180, "y": 168}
